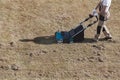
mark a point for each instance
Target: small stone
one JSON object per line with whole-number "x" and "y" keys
{"x": 94, "y": 46}
{"x": 4, "y": 67}
{"x": 100, "y": 59}
{"x": 29, "y": 73}
{"x": 44, "y": 51}
{"x": 106, "y": 76}
{"x": 99, "y": 47}
{"x": 54, "y": 51}
{"x": 118, "y": 53}
{"x": 11, "y": 44}
{"x": 87, "y": 75}
{"x": 74, "y": 75}
{"x": 14, "y": 67}
{"x": 31, "y": 54}
{"x": 95, "y": 52}
{"x": 40, "y": 74}
{"x": 78, "y": 59}
{"x": 0, "y": 45}
{"x": 1, "y": 60}
{"x": 98, "y": 54}
{"x": 91, "y": 59}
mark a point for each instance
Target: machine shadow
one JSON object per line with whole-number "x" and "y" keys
{"x": 41, "y": 40}
{"x": 47, "y": 40}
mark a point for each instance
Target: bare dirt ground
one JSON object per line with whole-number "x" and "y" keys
{"x": 29, "y": 52}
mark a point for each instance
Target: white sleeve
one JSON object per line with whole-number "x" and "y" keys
{"x": 106, "y": 2}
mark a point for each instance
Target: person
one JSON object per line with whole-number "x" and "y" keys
{"x": 104, "y": 14}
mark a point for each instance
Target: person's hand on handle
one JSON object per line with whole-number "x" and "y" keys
{"x": 94, "y": 13}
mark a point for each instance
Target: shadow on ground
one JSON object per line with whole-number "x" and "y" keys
{"x": 41, "y": 40}
{"x": 51, "y": 40}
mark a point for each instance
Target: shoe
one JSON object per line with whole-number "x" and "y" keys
{"x": 108, "y": 37}
{"x": 96, "y": 38}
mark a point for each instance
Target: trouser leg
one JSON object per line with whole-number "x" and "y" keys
{"x": 105, "y": 30}
{"x": 106, "y": 33}
{"x": 99, "y": 28}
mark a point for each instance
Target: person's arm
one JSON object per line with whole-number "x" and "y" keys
{"x": 95, "y": 9}
{"x": 94, "y": 12}
{"x": 98, "y": 5}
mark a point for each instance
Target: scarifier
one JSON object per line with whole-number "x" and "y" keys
{"x": 76, "y": 34}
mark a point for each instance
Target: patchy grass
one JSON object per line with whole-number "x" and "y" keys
{"x": 26, "y": 41}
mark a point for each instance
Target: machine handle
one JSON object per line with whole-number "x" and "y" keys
{"x": 91, "y": 16}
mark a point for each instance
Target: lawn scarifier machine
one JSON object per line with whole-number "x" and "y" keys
{"x": 76, "y": 34}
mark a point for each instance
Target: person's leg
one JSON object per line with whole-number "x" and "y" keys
{"x": 106, "y": 32}
{"x": 99, "y": 28}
